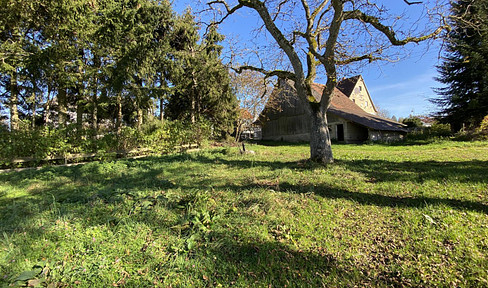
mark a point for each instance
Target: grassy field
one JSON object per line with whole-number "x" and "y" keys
{"x": 412, "y": 215}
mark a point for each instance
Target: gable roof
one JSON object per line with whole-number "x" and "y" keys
{"x": 347, "y": 85}
{"x": 343, "y": 107}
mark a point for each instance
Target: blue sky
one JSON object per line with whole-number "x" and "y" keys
{"x": 401, "y": 88}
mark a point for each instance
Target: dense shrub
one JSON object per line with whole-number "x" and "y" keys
{"x": 476, "y": 133}
{"x": 484, "y": 126}
{"x": 47, "y": 142}
{"x": 436, "y": 131}
{"x": 412, "y": 122}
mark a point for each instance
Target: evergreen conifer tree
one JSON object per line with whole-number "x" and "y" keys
{"x": 464, "y": 71}
{"x": 201, "y": 82}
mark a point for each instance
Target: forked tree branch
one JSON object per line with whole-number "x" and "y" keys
{"x": 279, "y": 73}
{"x": 388, "y": 30}
{"x": 370, "y": 57}
{"x": 229, "y": 10}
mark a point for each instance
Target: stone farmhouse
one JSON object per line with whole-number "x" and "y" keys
{"x": 352, "y": 116}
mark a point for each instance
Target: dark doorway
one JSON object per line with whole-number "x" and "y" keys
{"x": 340, "y": 132}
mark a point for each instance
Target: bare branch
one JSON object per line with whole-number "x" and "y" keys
{"x": 229, "y": 10}
{"x": 388, "y": 30}
{"x": 368, "y": 57}
{"x": 279, "y": 9}
{"x": 279, "y": 73}
{"x": 412, "y": 3}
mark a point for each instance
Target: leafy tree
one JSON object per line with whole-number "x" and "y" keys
{"x": 412, "y": 122}
{"x": 324, "y": 35}
{"x": 89, "y": 63}
{"x": 201, "y": 82}
{"x": 16, "y": 23}
{"x": 139, "y": 54}
{"x": 464, "y": 71}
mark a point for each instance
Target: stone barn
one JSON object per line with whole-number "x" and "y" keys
{"x": 352, "y": 116}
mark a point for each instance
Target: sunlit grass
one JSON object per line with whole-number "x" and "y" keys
{"x": 380, "y": 215}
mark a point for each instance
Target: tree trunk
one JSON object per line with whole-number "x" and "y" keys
{"x": 80, "y": 105}
{"x": 118, "y": 122}
{"x": 139, "y": 102}
{"x": 95, "y": 111}
{"x": 47, "y": 111}
{"x": 34, "y": 110}
{"x": 140, "y": 118}
{"x": 193, "y": 107}
{"x": 320, "y": 146}
{"x": 193, "y": 100}
{"x": 79, "y": 115}
{"x": 14, "y": 113}
{"x": 62, "y": 107}
{"x": 97, "y": 63}
{"x": 161, "y": 112}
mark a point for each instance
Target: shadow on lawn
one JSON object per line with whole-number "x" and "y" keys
{"x": 113, "y": 185}
{"x": 86, "y": 183}
{"x": 377, "y": 171}
{"x": 252, "y": 262}
{"x": 381, "y": 170}
{"x": 86, "y": 190}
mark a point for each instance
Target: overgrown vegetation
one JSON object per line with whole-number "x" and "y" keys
{"x": 154, "y": 137}
{"x": 435, "y": 132}
{"x": 379, "y": 216}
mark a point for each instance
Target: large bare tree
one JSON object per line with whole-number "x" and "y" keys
{"x": 325, "y": 35}
{"x": 252, "y": 91}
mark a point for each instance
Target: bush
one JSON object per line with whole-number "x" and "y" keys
{"x": 46, "y": 142}
{"x": 435, "y": 132}
{"x": 440, "y": 130}
{"x": 412, "y": 122}
{"x": 483, "y": 129}
{"x": 478, "y": 133}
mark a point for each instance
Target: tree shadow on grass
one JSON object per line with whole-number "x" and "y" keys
{"x": 112, "y": 185}
{"x": 260, "y": 263}
{"x": 376, "y": 171}
{"x": 473, "y": 171}
{"x": 87, "y": 190}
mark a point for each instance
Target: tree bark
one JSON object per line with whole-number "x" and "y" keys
{"x": 139, "y": 102}
{"x": 140, "y": 117}
{"x": 79, "y": 115}
{"x": 118, "y": 122}
{"x": 34, "y": 110}
{"x": 62, "y": 107}
{"x": 193, "y": 109}
{"x": 95, "y": 110}
{"x": 14, "y": 113}
{"x": 97, "y": 63}
{"x": 47, "y": 111}
{"x": 161, "y": 112}
{"x": 320, "y": 146}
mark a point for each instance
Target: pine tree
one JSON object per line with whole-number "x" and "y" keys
{"x": 464, "y": 71}
{"x": 201, "y": 82}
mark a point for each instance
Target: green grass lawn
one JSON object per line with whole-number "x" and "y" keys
{"x": 379, "y": 216}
